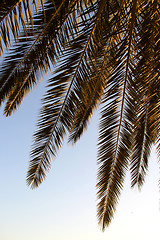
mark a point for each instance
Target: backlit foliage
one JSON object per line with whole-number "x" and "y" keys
{"x": 103, "y": 53}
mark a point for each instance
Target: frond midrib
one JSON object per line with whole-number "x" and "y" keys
{"x": 10, "y": 10}
{"x": 121, "y": 112}
{"x": 91, "y": 99}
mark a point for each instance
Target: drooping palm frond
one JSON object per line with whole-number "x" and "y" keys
{"x": 126, "y": 117}
{"x": 32, "y": 57}
{"x": 51, "y": 131}
{"x": 63, "y": 106}
{"x": 14, "y": 61}
{"x": 146, "y": 123}
{"x": 115, "y": 135}
{"x": 92, "y": 78}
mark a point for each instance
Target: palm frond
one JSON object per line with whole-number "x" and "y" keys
{"x": 34, "y": 57}
{"x": 92, "y": 78}
{"x": 57, "y": 112}
{"x": 51, "y": 131}
{"x": 141, "y": 148}
{"x": 14, "y": 15}
{"x": 115, "y": 132}
{"x": 146, "y": 74}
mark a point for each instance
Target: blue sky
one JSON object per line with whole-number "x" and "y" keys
{"x": 64, "y": 206}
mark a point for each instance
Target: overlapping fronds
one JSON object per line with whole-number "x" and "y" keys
{"x": 58, "y": 112}
{"x": 30, "y": 58}
{"x": 147, "y": 73}
{"x": 14, "y": 15}
{"x": 91, "y": 77}
{"x": 125, "y": 124}
{"x": 103, "y": 53}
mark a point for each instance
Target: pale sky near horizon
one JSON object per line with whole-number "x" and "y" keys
{"x": 64, "y": 206}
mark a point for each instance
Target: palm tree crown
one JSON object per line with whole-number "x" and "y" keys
{"x": 103, "y": 53}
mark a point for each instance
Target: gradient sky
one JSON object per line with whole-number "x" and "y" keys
{"x": 64, "y": 206}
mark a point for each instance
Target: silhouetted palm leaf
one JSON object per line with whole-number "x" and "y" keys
{"x": 34, "y": 58}
{"x": 15, "y": 14}
{"x": 58, "y": 112}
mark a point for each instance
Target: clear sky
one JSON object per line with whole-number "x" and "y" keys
{"x": 64, "y": 206}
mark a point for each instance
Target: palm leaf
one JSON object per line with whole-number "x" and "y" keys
{"x": 68, "y": 74}
{"x": 93, "y": 79}
{"x": 146, "y": 121}
{"x": 45, "y": 47}
{"x": 115, "y": 132}
{"x": 14, "y": 14}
